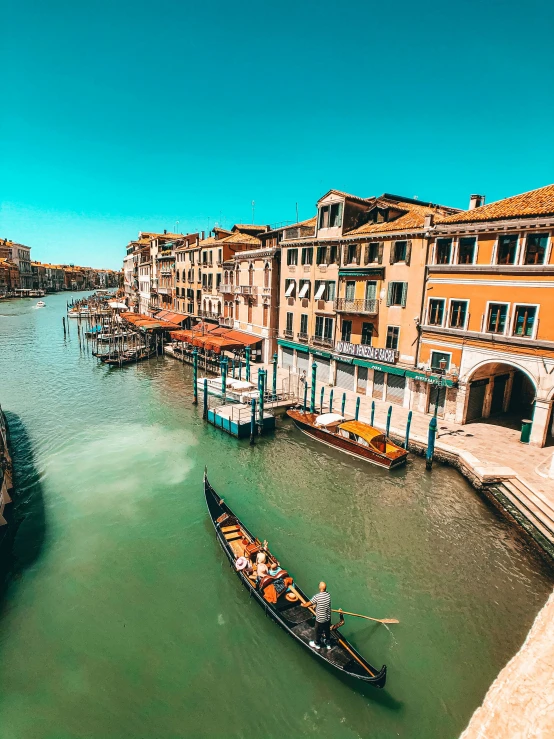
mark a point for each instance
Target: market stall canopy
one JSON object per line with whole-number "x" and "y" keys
{"x": 118, "y": 306}
{"x": 171, "y": 317}
{"x": 243, "y": 338}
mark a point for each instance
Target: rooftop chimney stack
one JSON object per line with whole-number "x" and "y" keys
{"x": 429, "y": 220}
{"x": 165, "y": 231}
{"x": 476, "y": 201}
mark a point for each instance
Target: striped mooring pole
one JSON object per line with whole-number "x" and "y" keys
{"x": 389, "y": 414}
{"x": 431, "y": 443}
{"x": 408, "y": 424}
{"x": 195, "y": 374}
{"x": 373, "y": 413}
{"x": 357, "y": 413}
{"x": 261, "y": 375}
{"x": 252, "y": 421}
{"x": 331, "y": 401}
{"x": 247, "y": 352}
{"x": 312, "y": 394}
{"x": 274, "y": 375}
{"x": 321, "y": 399}
{"x": 205, "y": 413}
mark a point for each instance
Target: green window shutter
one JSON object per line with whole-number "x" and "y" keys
{"x": 380, "y": 259}
{"x": 389, "y": 293}
{"x": 366, "y": 254}
{"x": 339, "y": 216}
{"x": 392, "y": 250}
{"x": 408, "y": 252}
{"x": 404, "y": 293}
{"x": 358, "y": 254}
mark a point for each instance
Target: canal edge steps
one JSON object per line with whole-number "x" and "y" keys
{"x": 524, "y": 499}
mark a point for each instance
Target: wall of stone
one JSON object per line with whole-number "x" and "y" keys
{"x": 520, "y": 702}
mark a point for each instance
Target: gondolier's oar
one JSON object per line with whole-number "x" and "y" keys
{"x": 340, "y": 641}
{"x": 359, "y": 615}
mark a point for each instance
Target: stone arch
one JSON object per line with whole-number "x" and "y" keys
{"x": 468, "y": 376}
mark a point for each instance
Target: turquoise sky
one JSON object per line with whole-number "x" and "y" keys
{"x": 122, "y": 116}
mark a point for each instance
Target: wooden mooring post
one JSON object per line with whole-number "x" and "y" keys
{"x": 389, "y": 415}
{"x": 408, "y": 424}
{"x": 431, "y": 443}
{"x": 195, "y": 374}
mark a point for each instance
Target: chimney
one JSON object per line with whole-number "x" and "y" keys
{"x": 429, "y": 220}
{"x": 476, "y": 201}
{"x": 165, "y": 231}
{"x": 203, "y": 232}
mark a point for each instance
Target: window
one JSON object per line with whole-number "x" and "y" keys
{"x": 535, "y": 251}
{"x": 331, "y": 290}
{"x": 292, "y": 257}
{"x": 397, "y": 293}
{"x": 220, "y": 255}
{"x": 335, "y": 218}
{"x": 507, "y": 247}
{"x": 304, "y": 324}
{"x": 437, "y": 358}
{"x": 400, "y": 249}
{"x": 350, "y": 290}
{"x": 319, "y": 327}
{"x": 319, "y": 289}
{"x": 351, "y": 254}
{"x": 374, "y": 253}
{"x": 346, "y": 330}
{"x": 444, "y": 251}
{"x": 393, "y": 332}
{"x": 307, "y": 255}
{"x": 324, "y": 217}
{"x": 321, "y": 255}
{"x": 458, "y": 313}
{"x": 333, "y": 254}
{"x": 367, "y": 333}
{"x": 328, "y": 329}
{"x": 218, "y": 279}
{"x": 265, "y": 313}
{"x": 496, "y": 322}
{"x": 524, "y": 320}
{"x": 466, "y": 250}
{"x": 435, "y": 314}
{"x": 290, "y": 286}
{"x": 304, "y": 291}
{"x": 290, "y": 317}
{"x": 249, "y": 311}
{"x": 370, "y": 290}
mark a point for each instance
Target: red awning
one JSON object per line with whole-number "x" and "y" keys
{"x": 172, "y": 317}
{"x": 241, "y": 337}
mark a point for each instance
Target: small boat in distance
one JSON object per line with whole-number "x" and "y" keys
{"x": 353, "y": 437}
{"x": 280, "y": 600}
{"x": 41, "y": 304}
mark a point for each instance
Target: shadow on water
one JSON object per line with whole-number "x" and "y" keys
{"x": 28, "y": 519}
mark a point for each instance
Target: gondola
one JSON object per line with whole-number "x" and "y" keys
{"x": 287, "y": 612}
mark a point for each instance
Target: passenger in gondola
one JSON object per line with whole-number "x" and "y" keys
{"x": 262, "y": 569}
{"x": 275, "y": 569}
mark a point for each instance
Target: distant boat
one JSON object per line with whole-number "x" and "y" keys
{"x": 41, "y": 304}
{"x": 353, "y": 437}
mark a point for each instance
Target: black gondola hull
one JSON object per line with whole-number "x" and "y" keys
{"x": 369, "y": 674}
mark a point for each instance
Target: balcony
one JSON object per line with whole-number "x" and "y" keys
{"x": 163, "y": 290}
{"x": 323, "y": 341}
{"x": 225, "y": 288}
{"x": 209, "y": 314}
{"x": 302, "y": 336}
{"x": 288, "y": 333}
{"x": 246, "y": 289}
{"x": 368, "y": 307}
{"x": 228, "y": 321}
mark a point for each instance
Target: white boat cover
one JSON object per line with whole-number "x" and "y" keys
{"x": 241, "y": 385}
{"x": 326, "y": 419}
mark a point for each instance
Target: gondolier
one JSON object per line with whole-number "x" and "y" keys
{"x": 322, "y": 604}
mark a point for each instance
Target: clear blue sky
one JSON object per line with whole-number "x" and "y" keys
{"x": 125, "y": 116}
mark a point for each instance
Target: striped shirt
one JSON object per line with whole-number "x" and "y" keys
{"x": 322, "y": 602}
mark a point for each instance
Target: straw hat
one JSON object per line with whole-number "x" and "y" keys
{"x": 241, "y": 563}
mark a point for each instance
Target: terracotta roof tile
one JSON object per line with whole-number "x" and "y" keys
{"x": 533, "y": 203}
{"x": 413, "y": 218}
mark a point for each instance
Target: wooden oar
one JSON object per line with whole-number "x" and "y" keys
{"x": 340, "y": 641}
{"x": 359, "y": 615}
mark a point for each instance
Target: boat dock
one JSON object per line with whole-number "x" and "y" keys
{"x": 236, "y": 419}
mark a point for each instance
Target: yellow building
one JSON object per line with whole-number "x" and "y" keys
{"x": 488, "y": 312}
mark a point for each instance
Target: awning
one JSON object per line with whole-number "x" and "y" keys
{"x": 390, "y": 368}
{"x": 378, "y": 272}
{"x": 172, "y": 317}
{"x": 242, "y": 338}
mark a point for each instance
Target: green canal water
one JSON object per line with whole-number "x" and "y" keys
{"x": 122, "y": 620}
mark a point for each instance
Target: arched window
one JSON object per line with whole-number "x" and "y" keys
{"x": 251, "y": 275}
{"x": 266, "y": 275}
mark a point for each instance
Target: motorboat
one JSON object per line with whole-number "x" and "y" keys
{"x": 41, "y": 304}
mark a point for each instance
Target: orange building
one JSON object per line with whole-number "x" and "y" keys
{"x": 9, "y": 277}
{"x": 488, "y": 312}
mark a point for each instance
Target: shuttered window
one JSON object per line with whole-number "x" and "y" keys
{"x": 396, "y": 386}
{"x": 362, "y": 380}
{"x": 323, "y": 368}
{"x": 302, "y": 361}
{"x": 345, "y": 376}
{"x": 397, "y": 293}
{"x": 287, "y": 356}
{"x": 378, "y": 384}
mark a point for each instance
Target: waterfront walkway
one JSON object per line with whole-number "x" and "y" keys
{"x": 493, "y": 450}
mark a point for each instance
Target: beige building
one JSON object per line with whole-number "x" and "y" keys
{"x": 351, "y": 294}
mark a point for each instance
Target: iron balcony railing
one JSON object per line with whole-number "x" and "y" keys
{"x": 322, "y": 341}
{"x": 302, "y": 336}
{"x": 208, "y": 314}
{"x": 288, "y": 333}
{"x": 343, "y": 305}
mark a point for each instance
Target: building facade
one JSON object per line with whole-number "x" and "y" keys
{"x": 9, "y": 277}
{"x": 488, "y": 312}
